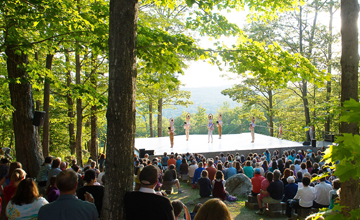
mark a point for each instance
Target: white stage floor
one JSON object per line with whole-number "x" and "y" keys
{"x": 199, "y": 143}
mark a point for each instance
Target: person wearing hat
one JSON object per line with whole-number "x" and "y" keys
{"x": 256, "y": 182}
{"x": 137, "y": 205}
{"x": 4, "y": 167}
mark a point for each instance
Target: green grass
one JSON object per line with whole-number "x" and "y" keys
{"x": 237, "y": 209}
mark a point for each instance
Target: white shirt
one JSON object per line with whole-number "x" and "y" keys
{"x": 223, "y": 182}
{"x": 306, "y": 196}
{"x": 146, "y": 190}
{"x": 297, "y": 168}
{"x": 322, "y": 193}
{"x": 192, "y": 169}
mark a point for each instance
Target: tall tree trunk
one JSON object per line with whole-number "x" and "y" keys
{"x": 70, "y": 103}
{"x": 46, "y": 128}
{"x": 121, "y": 108}
{"x": 160, "y": 105}
{"x": 349, "y": 88}
{"x": 271, "y": 122}
{"x": 93, "y": 119}
{"x": 27, "y": 141}
{"x": 306, "y": 106}
{"x": 78, "y": 114}
{"x": 328, "y": 83}
{"x": 150, "y": 118}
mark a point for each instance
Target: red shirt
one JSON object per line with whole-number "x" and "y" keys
{"x": 9, "y": 191}
{"x": 256, "y": 183}
{"x": 171, "y": 161}
{"x": 211, "y": 172}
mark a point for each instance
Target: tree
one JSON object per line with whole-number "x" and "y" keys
{"x": 121, "y": 107}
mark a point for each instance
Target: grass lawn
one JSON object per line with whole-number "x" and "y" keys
{"x": 237, "y": 209}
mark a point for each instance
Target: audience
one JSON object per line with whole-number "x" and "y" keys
{"x": 219, "y": 186}
{"x": 178, "y": 207}
{"x": 256, "y": 182}
{"x": 42, "y": 176}
{"x": 55, "y": 169}
{"x": 52, "y": 192}
{"x": 248, "y": 170}
{"x": 322, "y": 194}
{"x": 291, "y": 189}
{"x": 303, "y": 198}
{"x": 26, "y": 202}
{"x": 197, "y": 173}
{"x": 213, "y": 209}
{"x": 204, "y": 184}
{"x": 192, "y": 168}
{"x": 211, "y": 170}
{"x": 231, "y": 171}
{"x": 16, "y": 177}
{"x": 184, "y": 167}
{"x": 170, "y": 176}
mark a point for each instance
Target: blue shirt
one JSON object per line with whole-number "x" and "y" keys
{"x": 290, "y": 191}
{"x": 231, "y": 171}
{"x": 249, "y": 171}
{"x": 70, "y": 208}
{"x": 197, "y": 174}
{"x": 164, "y": 160}
{"x": 178, "y": 163}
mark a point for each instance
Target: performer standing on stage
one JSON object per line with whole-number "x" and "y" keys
{"x": 252, "y": 128}
{"x": 280, "y": 132}
{"x": 187, "y": 125}
{"x": 219, "y": 124}
{"x": 210, "y": 128}
{"x": 171, "y": 132}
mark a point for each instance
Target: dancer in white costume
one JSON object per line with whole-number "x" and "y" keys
{"x": 210, "y": 128}
{"x": 171, "y": 132}
{"x": 219, "y": 124}
{"x": 187, "y": 126}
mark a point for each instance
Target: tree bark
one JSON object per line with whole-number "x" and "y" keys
{"x": 27, "y": 141}
{"x": 121, "y": 108}
{"x": 150, "y": 118}
{"x": 349, "y": 88}
{"x": 271, "y": 121}
{"x": 70, "y": 103}
{"x": 78, "y": 114}
{"x": 160, "y": 105}
{"x": 46, "y": 128}
{"x": 328, "y": 83}
{"x": 93, "y": 119}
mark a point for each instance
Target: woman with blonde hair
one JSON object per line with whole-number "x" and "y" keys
{"x": 17, "y": 175}
{"x": 26, "y": 202}
{"x": 213, "y": 209}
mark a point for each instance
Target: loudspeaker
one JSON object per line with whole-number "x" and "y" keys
{"x": 313, "y": 143}
{"x": 142, "y": 153}
{"x": 306, "y": 143}
{"x": 39, "y": 118}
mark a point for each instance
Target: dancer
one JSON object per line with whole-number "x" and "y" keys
{"x": 171, "y": 132}
{"x": 252, "y": 128}
{"x": 210, "y": 128}
{"x": 219, "y": 124}
{"x": 280, "y": 132}
{"x": 187, "y": 125}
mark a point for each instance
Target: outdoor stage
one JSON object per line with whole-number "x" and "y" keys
{"x": 229, "y": 143}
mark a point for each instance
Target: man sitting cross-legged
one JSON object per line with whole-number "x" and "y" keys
{"x": 145, "y": 203}
{"x": 170, "y": 176}
{"x": 275, "y": 190}
{"x": 67, "y": 206}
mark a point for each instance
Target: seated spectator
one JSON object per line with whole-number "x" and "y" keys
{"x": 204, "y": 184}
{"x": 299, "y": 177}
{"x": 171, "y": 161}
{"x": 309, "y": 166}
{"x": 93, "y": 167}
{"x": 42, "y": 176}
{"x": 256, "y": 182}
{"x": 231, "y": 171}
{"x": 286, "y": 174}
{"x": 73, "y": 163}
{"x": 275, "y": 189}
{"x": 17, "y": 176}
{"x": 219, "y": 186}
{"x": 292, "y": 168}
{"x": 170, "y": 176}
{"x": 26, "y": 202}
{"x": 315, "y": 169}
{"x": 238, "y": 167}
{"x": 291, "y": 189}
{"x": 280, "y": 165}
{"x": 197, "y": 173}
{"x": 264, "y": 185}
{"x": 322, "y": 194}
{"x": 303, "y": 168}
{"x": 99, "y": 178}
{"x": 248, "y": 170}
{"x": 297, "y": 166}
{"x": 101, "y": 161}
{"x": 7, "y": 178}
{"x": 265, "y": 166}
{"x": 192, "y": 168}
{"x": 213, "y": 209}
{"x": 55, "y": 169}
{"x": 211, "y": 170}
{"x": 333, "y": 194}
{"x": 195, "y": 210}
{"x": 96, "y": 191}
{"x": 274, "y": 166}
{"x": 63, "y": 166}
{"x": 305, "y": 196}
{"x": 178, "y": 207}
{"x": 184, "y": 167}
{"x": 52, "y": 192}
{"x": 216, "y": 160}
{"x": 67, "y": 206}
{"x": 262, "y": 172}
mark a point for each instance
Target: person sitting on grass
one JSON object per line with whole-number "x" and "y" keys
{"x": 204, "y": 184}
{"x": 275, "y": 189}
{"x": 213, "y": 209}
{"x": 219, "y": 186}
{"x": 170, "y": 176}
{"x": 195, "y": 210}
{"x": 178, "y": 207}
{"x": 256, "y": 182}
{"x": 197, "y": 173}
{"x": 248, "y": 170}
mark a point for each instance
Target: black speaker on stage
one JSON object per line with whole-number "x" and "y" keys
{"x": 142, "y": 153}
{"x": 306, "y": 143}
{"x": 39, "y": 118}
{"x": 313, "y": 143}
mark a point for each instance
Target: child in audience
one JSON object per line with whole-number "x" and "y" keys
{"x": 195, "y": 210}
{"x": 52, "y": 191}
{"x": 16, "y": 177}
{"x": 178, "y": 207}
{"x": 333, "y": 194}
{"x": 219, "y": 186}
{"x": 204, "y": 184}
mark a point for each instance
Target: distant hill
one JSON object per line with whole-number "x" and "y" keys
{"x": 209, "y": 98}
